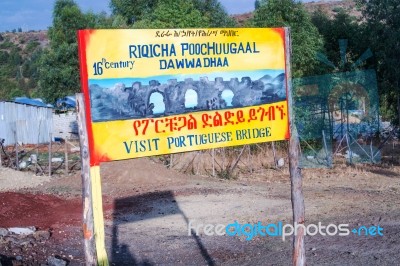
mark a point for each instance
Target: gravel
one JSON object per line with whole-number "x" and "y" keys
{"x": 11, "y": 180}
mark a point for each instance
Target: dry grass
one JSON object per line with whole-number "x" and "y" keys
{"x": 257, "y": 162}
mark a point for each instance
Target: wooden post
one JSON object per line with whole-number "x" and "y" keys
{"x": 16, "y": 148}
{"x": 274, "y": 154}
{"x": 37, "y": 158}
{"x": 213, "y": 161}
{"x": 66, "y": 156}
{"x": 296, "y": 180}
{"x": 88, "y": 227}
{"x": 1, "y": 152}
{"x": 50, "y": 154}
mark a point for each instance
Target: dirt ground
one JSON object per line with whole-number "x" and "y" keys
{"x": 148, "y": 208}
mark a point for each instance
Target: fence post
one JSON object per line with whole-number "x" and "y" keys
{"x": 16, "y": 148}
{"x": 66, "y": 156}
{"x": 50, "y": 154}
{"x": 274, "y": 154}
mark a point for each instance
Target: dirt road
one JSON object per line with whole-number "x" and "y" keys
{"x": 148, "y": 209}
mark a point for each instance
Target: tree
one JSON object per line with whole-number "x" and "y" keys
{"x": 174, "y": 14}
{"x": 382, "y": 19}
{"x": 7, "y": 88}
{"x": 341, "y": 27}
{"x": 215, "y": 13}
{"x": 59, "y": 67}
{"x": 306, "y": 40}
{"x": 58, "y": 73}
{"x": 67, "y": 19}
{"x": 133, "y": 10}
{"x": 97, "y": 21}
{"x": 142, "y": 12}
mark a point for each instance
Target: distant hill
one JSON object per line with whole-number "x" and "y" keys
{"x": 25, "y": 42}
{"x": 333, "y": 7}
{"x": 328, "y": 7}
{"x": 19, "y": 60}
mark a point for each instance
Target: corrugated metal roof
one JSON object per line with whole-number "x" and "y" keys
{"x": 33, "y": 102}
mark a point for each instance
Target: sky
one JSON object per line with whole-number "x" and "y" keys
{"x": 37, "y": 14}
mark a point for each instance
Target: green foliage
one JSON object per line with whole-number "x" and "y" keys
{"x": 59, "y": 68}
{"x": 163, "y": 14}
{"x": 31, "y": 46}
{"x": 382, "y": 27}
{"x": 6, "y": 45}
{"x": 67, "y": 19}
{"x": 341, "y": 27}
{"x": 8, "y": 87}
{"x": 119, "y": 22}
{"x": 59, "y": 72}
{"x": 4, "y": 56}
{"x": 215, "y": 13}
{"x": 133, "y": 10}
{"x": 306, "y": 40}
{"x": 173, "y": 14}
{"x": 97, "y": 21}
{"x": 338, "y": 9}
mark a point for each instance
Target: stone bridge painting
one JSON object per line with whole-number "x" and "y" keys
{"x": 178, "y": 97}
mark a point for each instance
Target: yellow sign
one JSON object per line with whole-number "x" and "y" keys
{"x": 153, "y": 92}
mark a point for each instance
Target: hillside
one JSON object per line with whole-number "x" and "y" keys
{"x": 19, "y": 58}
{"x": 333, "y": 7}
{"x": 329, "y": 7}
{"x": 25, "y": 42}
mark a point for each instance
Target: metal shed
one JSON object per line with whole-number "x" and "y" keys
{"x": 26, "y": 124}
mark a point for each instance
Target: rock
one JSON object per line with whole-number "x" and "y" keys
{"x": 3, "y": 232}
{"x": 16, "y": 250}
{"x": 41, "y": 235}
{"x": 22, "y": 165}
{"x": 53, "y": 261}
{"x": 57, "y": 160}
{"x": 281, "y": 162}
{"x": 22, "y": 230}
{"x": 33, "y": 158}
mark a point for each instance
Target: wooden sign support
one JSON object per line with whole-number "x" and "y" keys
{"x": 296, "y": 180}
{"x": 88, "y": 231}
{"x": 93, "y": 220}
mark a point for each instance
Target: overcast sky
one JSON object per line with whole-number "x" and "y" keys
{"x": 36, "y": 14}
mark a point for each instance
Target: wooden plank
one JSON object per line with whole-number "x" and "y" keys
{"x": 88, "y": 225}
{"x": 98, "y": 216}
{"x": 296, "y": 180}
